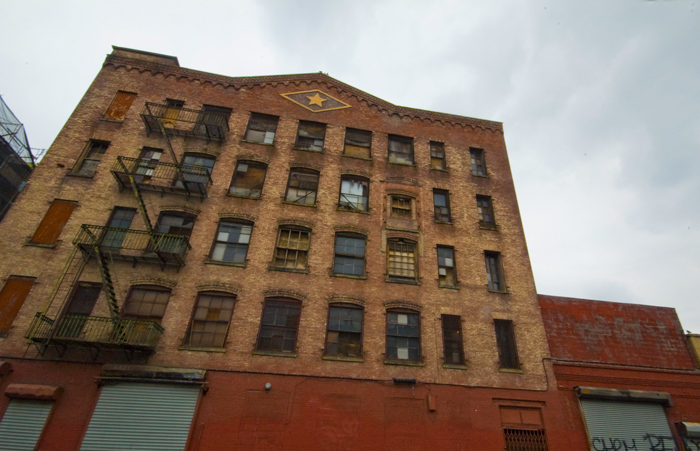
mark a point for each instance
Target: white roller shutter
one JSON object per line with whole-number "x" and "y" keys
{"x": 21, "y": 426}
{"x": 141, "y": 417}
{"x": 614, "y": 425}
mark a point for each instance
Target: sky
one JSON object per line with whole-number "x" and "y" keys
{"x": 600, "y": 101}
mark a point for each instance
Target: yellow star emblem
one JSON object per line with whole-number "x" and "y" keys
{"x": 316, "y": 100}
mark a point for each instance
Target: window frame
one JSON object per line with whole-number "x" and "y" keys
{"x": 458, "y": 341}
{"x": 397, "y": 359}
{"x": 399, "y": 278}
{"x": 495, "y": 266}
{"x": 359, "y": 335}
{"x": 306, "y": 171}
{"x": 116, "y": 112}
{"x": 439, "y": 214}
{"x": 478, "y": 161}
{"x": 234, "y": 177}
{"x": 488, "y": 201}
{"x": 262, "y": 117}
{"x": 357, "y": 145}
{"x": 274, "y": 266}
{"x": 401, "y": 140}
{"x": 410, "y": 209}
{"x": 187, "y": 339}
{"x": 216, "y": 242}
{"x": 506, "y": 345}
{"x": 444, "y": 283}
{"x": 270, "y": 301}
{"x": 309, "y": 140}
{"x": 94, "y": 144}
{"x": 347, "y": 206}
{"x": 435, "y": 148}
{"x": 138, "y": 317}
{"x": 337, "y": 254}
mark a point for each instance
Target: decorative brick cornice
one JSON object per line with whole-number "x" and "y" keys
{"x": 237, "y": 215}
{"x": 296, "y": 222}
{"x": 182, "y": 209}
{"x": 341, "y": 299}
{"x": 308, "y": 80}
{"x": 281, "y": 293}
{"x": 153, "y": 281}
{"x": 222, "y": 287}
{"x": 350, "y": 228}
{"x": 403, "y": 305}
{"x": 253, "y": 157}
{"x": 365, "y": 174}
{"x": 402, "y": 181}
{"x": 302, "y": 164}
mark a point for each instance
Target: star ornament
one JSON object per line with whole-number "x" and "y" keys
{"x": 315, "y": 100}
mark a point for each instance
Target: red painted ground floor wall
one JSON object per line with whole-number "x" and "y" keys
{"x": 236, "y": 412}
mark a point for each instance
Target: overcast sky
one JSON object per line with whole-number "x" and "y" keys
{"x": 600, "y": 102}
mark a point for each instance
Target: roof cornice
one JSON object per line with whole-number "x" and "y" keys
{"x": 116, "y": 61}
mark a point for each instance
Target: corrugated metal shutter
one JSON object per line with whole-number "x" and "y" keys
{"x": 21, "y": 426}
{"x": 612, "y": 424}
{"x": 147, "y": 417}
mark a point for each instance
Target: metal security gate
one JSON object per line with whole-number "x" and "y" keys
{"x": 525, "y": 440}
{"x": 141, "y": 417}
{"x": 614, "y": 425}
{"x": 21, "y": 426}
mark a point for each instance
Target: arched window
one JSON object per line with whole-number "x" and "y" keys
{"x": 210, "y": 320}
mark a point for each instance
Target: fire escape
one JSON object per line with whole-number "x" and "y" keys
{"x": 53, "y": 326}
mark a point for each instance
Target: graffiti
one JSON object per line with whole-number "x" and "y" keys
{"x": 691, "y": 444}
{"x": 650, "y": 442}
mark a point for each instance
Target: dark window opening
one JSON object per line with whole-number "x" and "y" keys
{"x": 344, "y": 334}
{"x": 447, "y": 276}
{"x": 210, "y": 320}
{"x": 441, "y": 201}
{"x": 478, "y": 162}
{"x": 302, "y": 186}
{"x": 400, "y": 150}
{"x": 349, "y": 255}
{"x": 358, "y": 143}
{"x": 231, "y": 242}
{"x": 91, "y": 158}
{"x": 403, "y": 335}
{"x": 452, "y": 339}
{"x": 310, "y": 136}
{"x": 485, "y": 209}
{"x": 261, "y": 128}
{"x": 279, "y": 326}
{"x": 505, "y": 340}
{"x": 437, "y": 156}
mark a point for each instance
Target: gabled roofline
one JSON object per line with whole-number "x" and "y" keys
{"x": 119, "y": 57}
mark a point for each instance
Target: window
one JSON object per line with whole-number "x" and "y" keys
{"x": 12, "y": 298}
{"x": 344, "y": 335}
{"x": 400, "y": 150}
{"x": 349, "y": 255}
{"x": 302, "y": 186}
{"x": 279, "y": 326}
{"x": 494, "y": 271}
{"x": 118, "y": 223}
{"x": 172, "y": 112}
{"x": 175, "y": 223}
{"x": 91, "y": 158}
{"x": 310, "y": 136}
{"x": 193, "y": 166}
{"x": 358, "y": 143}
{"x": 403, "y": 335}
{"x": 292, "y": 251}
{"x": 119, "y": 106}
{"x": 147, "y": 163}
{"x": 441, "y": 201}
{"x": 401, "y": 259}
{"x": 437, "y": 156}
{"x": 231, "y": 242}
{"x": 485, "y": 208}
{"x": 55, "y": 219}
{"x": 79, "y": 308}
{"x": 401, "y": 207}
{"x": 212, "y": 122}
{"x": 447, "y": 276}
{"x": 478, "y": 162}
{"x": 505, "y": 340}
{"x": 523, "y": 428}
{"x": 146, "y": 303}
{"x": 452, "y": 339}
{"x": 248, "y": 179}
{"x": 210, "y": 320}
{"x": 261, "y": 128}
{"x": 354, "y": 193}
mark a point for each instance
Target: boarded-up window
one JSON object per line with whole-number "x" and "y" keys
{"x": 55, "y": 219}
{"x": 119, "y": 106}
{"x": 12, "y": 297}
{"x": 358, "y": 143}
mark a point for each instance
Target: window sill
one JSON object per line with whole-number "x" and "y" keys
{"x": 510, "y": 370}
{"x": 499, "y": 291}
{"x": 218, "y": 263}
{"x": 410, "y": 165}
{"x": 81, "y": 176}
{"x": 480, "y": 176}
{"x": 351, "y": 210}
{"x": 343, "y": 359}
{"x": 45, "y": 246}
{"x": 286, "y": 202}
{"x": 403, "y": 363}
{"x": 348, "y": 276}
{"x": 309, "y": 150}
{"x": 443, "y": 222}
{"x": 111, "y": 120}
{"x": 452, "y": 366}
{"x": 193, "y": 348}
{"x": 243, "y": 197}
{"x": 357, "y": 158}
{"x": 259, "y": 144}
{"x": 493, "y": 228}
{"x": 449, "y": 287}
{"x": 297, "y": 271}
{"x": 292, "y": 355}
{"x": 403, "y": 281}
{"x": 447, "y": 171}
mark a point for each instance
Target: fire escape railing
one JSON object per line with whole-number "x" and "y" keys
{"x": 204, "y": 124}
{"x": 162, "y": 177}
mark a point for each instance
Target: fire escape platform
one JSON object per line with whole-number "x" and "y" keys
{"x": 186, "y": 122}
{"x": 188, "y": 180}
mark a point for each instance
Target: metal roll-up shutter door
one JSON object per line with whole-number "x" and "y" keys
{"x": 21, "y": 426}
{"x": 612, "y": 423}
{"x": 141, "y": 417}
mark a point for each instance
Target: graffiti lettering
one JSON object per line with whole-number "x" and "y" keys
{"x": 691, "y": 444}
{"x": 612, "y": 444}
{"x": 655, "y": 443}
{"x": 658, "y": 442}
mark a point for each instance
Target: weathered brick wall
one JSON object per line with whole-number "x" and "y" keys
{"x": 472, "y": 301}
{"x": 610, "y": 332}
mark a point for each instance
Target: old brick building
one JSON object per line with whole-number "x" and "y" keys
{"x": 205, "y": 262}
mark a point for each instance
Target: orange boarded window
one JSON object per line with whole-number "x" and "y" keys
{"x": 12, "y": 297}
{"x": 119, "y": 106}
{"x": 55, "y": 219}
